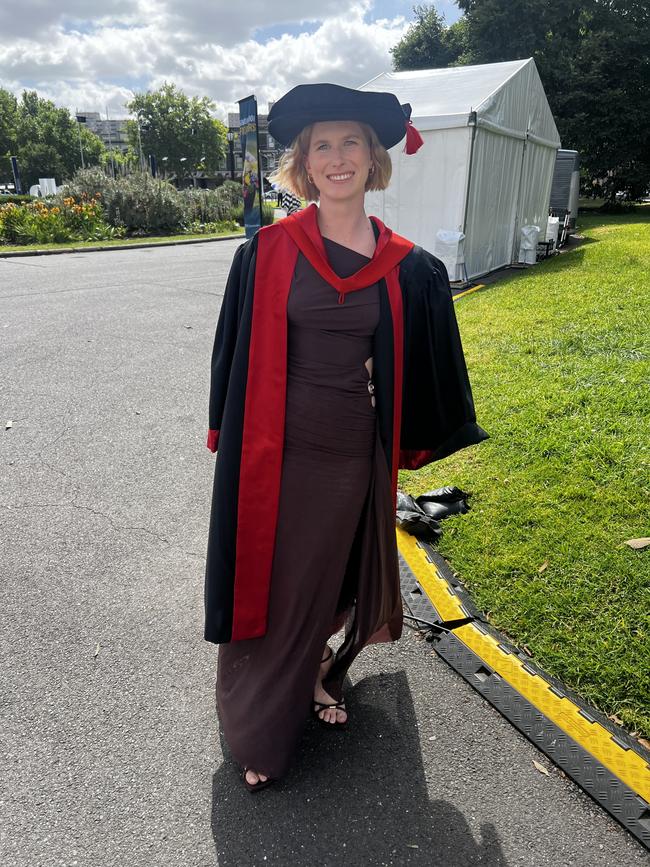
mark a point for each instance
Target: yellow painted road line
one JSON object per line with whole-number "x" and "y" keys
{"x": 467, "y": 291}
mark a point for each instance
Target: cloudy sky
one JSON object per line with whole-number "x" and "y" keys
{"x": 89, "y": 55}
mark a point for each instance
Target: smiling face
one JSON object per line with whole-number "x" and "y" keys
{"x": 338, "y": 159}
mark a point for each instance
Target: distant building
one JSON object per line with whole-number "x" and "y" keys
{"x": 111, "y": 132}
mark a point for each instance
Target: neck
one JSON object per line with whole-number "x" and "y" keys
{"x": 342, "y": 220}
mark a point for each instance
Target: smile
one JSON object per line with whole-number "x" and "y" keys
{"x": 343, "y": 177}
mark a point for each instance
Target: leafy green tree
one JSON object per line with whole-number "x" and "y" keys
{"x": 604, "y": 111}
{"x": 423, "y": 46}
{"x": 117, "y": 162}
{"x": 455, "y": 37}
{"x": 46, "y": 140}
{"x": 8, "y": 110}
{"x": 179, "y": 130}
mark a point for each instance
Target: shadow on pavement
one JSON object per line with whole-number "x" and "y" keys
{"x": 355, "y": 797}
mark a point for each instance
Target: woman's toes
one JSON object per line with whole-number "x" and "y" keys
{"x": 253, "y": 777}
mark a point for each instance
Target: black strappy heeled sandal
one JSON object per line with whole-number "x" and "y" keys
{"x": 319, "y": 706}
{"x": 260, "y": 784}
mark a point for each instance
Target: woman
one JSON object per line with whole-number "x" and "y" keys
{"x": 289, "y": 202}
{"x": 337, "y": 359}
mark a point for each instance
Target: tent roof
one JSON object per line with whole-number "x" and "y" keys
{"x": 453, "y": 90}
{"x": 506, "y": 96}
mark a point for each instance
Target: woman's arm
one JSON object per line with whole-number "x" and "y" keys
{"x": 438, "y": 415}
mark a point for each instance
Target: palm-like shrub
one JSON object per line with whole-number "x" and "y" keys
{"x": 85, "y": 184}
{"x": 268, "y": 214}
{"x": 212, "y": 206}
{"x": 140, "y": 204}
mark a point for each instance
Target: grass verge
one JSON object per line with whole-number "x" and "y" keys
{"x": 559, "y": 359}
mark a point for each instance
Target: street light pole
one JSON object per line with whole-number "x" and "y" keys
{"x": 81, "y": 150}
{"x": 110, "y": 142}
{"x": 143, "y": 162}
{"x": 137, "y": 120}
{"x": 231, "y": 148}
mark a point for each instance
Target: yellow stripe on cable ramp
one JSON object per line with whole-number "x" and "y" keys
{"x": 434, "y": 585}
{"x": 626, "y": 764}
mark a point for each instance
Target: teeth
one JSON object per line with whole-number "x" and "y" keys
{"x": 340, "y": 177}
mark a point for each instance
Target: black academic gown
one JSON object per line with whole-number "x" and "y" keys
{"x": 424, "y": 404}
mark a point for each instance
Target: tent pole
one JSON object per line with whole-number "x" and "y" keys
{"x": 515, "y": 234}
{"x": 471, "y": 122}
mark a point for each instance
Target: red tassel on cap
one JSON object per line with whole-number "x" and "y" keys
{"x": 414, "y": 140}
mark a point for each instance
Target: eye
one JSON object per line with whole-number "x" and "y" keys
{"x": 351, "y": 141}
{"x": 321, "y": 146}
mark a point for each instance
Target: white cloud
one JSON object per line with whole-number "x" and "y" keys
{"x": 227, "y": 23}
{"x": 93, "y": 62}
{"x": 32, "y": 18}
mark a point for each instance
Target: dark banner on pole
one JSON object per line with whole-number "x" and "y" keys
{"x": 18, "y": 186}
{"x": 252, "y": 170}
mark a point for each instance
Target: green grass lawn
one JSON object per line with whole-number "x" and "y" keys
{"x": 559, "y": 358}
{"x": 66, "y": 245}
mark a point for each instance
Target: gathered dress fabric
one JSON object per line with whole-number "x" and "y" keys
{"x": 335, "y": 556}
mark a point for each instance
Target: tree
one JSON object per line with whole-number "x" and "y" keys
{"x": 180, "y": 131}
{"x": 455, "y": 37}
{"x": 8, "y": 110}
{"x": 604, "y": 112}
{"x": 116, "y": 162}
{"x": 423, "y": 46}
{"x": 593, "y": 57}
{"x": 45, "y": 138}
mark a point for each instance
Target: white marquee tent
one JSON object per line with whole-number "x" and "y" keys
{"x": 486, "y": 165}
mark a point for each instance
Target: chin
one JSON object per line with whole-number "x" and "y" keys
{"x": 340, "y": 193}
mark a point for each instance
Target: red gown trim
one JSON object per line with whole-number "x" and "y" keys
{"x": 263, "y": 434}
{"x": 213, "y": 440}
{"x": 389, "y": 252}
{"x": 396, "y": 309}
{"x": 413, "y": 460}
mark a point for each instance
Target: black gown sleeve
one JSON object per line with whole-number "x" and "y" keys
{"x": 225, "y": 339}
{"x": 438, "y": 416}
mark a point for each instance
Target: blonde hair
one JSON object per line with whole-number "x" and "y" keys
{"x": 291, "y": 173}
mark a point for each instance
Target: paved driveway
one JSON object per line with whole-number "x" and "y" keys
{"x": 110, "y": 748}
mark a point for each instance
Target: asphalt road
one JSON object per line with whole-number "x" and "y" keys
{"x": 109, "y": 741}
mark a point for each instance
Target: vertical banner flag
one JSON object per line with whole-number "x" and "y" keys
{"x": 252, "y": 170}
{"x": 18, "y": 187}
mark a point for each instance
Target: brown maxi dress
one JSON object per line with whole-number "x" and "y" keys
{"x": 332, "y": 459}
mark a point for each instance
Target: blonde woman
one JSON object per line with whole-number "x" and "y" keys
{"x": 337, "y": 359}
